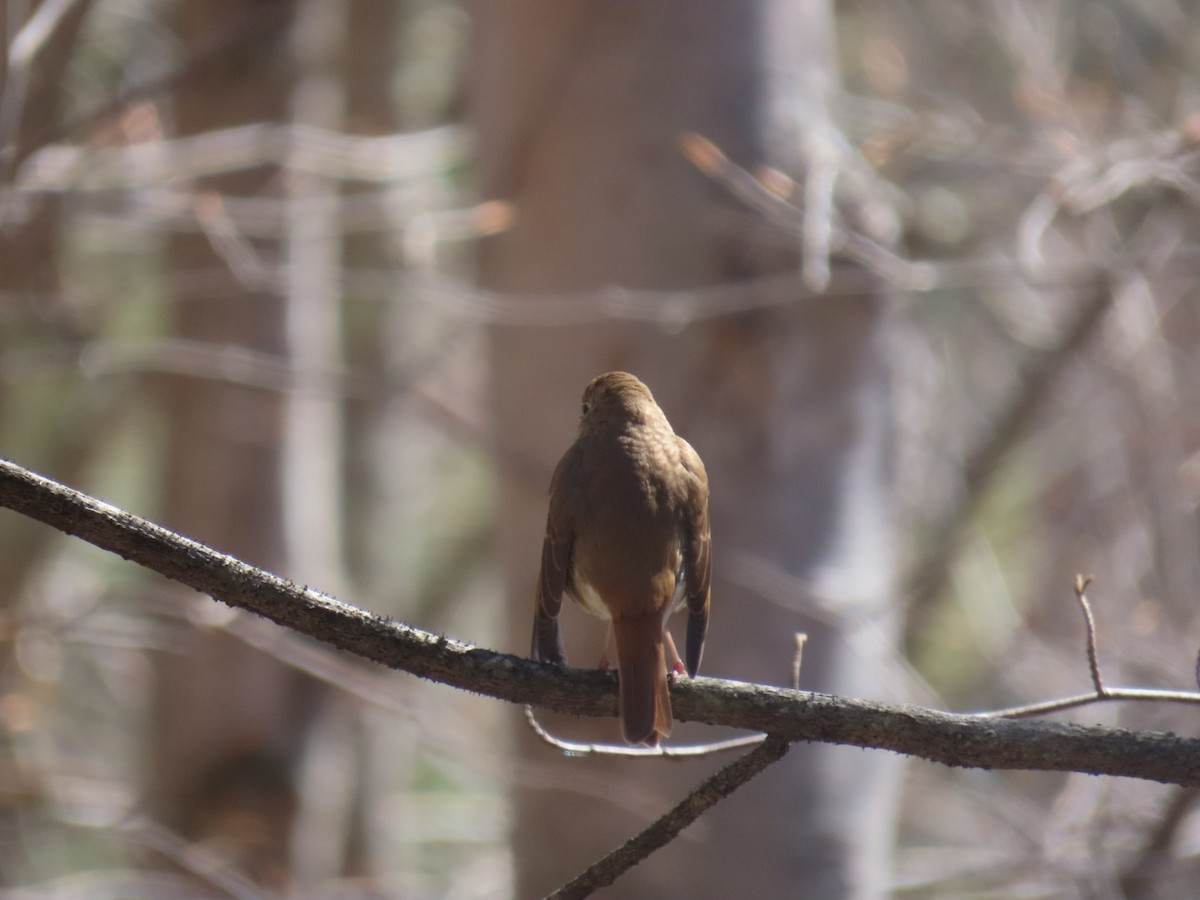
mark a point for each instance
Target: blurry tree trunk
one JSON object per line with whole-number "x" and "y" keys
{"x": 230, "y": 721}
{"x": 59, "y": 431}
{"x": 368, "y": 74}
{"x": 312, "y": 462}
{"x": 31, "y": 303}
{"x": 579, "y": 108}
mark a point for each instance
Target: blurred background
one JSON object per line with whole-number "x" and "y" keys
{"x": 320, "y": 284}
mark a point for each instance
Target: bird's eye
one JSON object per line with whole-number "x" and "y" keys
{"x": 586, "y": 407}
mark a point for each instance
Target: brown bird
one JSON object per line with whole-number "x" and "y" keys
{"x": 627, "y": 537}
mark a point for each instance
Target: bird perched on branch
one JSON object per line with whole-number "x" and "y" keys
{"x": 627, "y": 537}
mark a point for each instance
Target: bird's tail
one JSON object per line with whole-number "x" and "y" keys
{"x": 645, "y": 696}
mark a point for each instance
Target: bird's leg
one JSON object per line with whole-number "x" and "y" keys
{"x": 675, "y": 665}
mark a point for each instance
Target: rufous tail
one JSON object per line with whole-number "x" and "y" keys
{"x": 645, "y": 697}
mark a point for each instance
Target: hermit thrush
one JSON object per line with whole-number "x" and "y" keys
{"x": 627, "y": 537}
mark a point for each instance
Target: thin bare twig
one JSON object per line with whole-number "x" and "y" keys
{"x": 238, "y": 253}
{"x": 1081, "y": 586}
{"x": 704, "y": 797}
{"x": 31, "y": 38}
{"x": 1087, "y": 182}
{"x": 192, "y": 857}
{"x": 1101, "y": 693}
{"x": 1123, "y": 695}
{"x": 807, "y": 214}
{"x": 685, "y": 751}
{"x": 820, "y": 186}
{"x": 299, "y": 148}
{"x": 801, "y": 639}
{"x": 242, "y": 34}
{"x": 661, "y": 751}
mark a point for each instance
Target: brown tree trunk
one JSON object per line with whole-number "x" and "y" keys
{"x": 229, "y": 720}
{"x": 579, "y": 108}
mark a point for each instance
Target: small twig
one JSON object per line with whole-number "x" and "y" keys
{"x": 807, "y": 212}
{"x": 231, "y": 246}
{"x": 767, "y": 199}
{"x": 1087, "y": 182}
{"x": 1101, "y": 693}
{"x": 1081, "y": 586}
{"x": 683, "y": 751}
{"x": 200, "y": 861}
{"x": 706, "y": 795}
{"x": 801, "y": 638}
{"x": 1125, "y": 695}
{"x": 820, "y": 185}
{"x": 240, "y": 35}
{"x": 23, "y": 48}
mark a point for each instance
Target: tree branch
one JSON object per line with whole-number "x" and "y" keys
{"x": 955, "y": 740}
{"x": 707, "y": 795}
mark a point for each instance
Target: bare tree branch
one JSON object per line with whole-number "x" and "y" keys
{"x": 1089, "y": 621}
{"x": 955, "y": 740}
{"x": 706, "y": 795}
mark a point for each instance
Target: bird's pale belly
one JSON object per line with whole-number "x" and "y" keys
{"x": 590, "y": 600}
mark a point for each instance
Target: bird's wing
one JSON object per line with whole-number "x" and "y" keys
{"x": 552, "y": 579}
{"x": 697, "y": 560}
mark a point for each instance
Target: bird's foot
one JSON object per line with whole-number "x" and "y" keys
{"x": 677, "y": 669}
{"x": 675, "y": 666}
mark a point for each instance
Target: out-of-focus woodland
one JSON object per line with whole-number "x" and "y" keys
{"x": 319, "y": 284}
